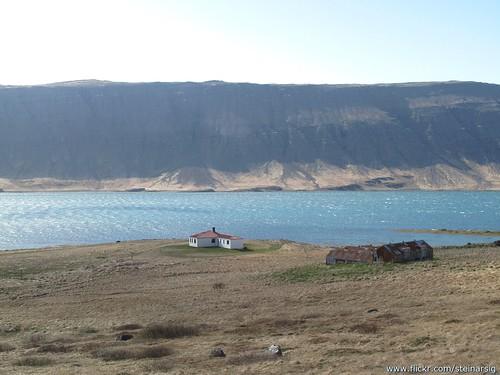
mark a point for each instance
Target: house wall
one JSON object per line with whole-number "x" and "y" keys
{"x": 231, "y": 244}
{"x": 203, "y": 242}
{"x": 236, "y": 244}
{"x": 407, "y": 255}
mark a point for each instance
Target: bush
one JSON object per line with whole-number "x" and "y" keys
{"x": 218, "y": 286}
{"x": 168, "y": 331}
{"x": 365, "y": 328}
{"x": 10, "y": 328}
{"x": 137, "y": 352}
{"x": 34, "y": 361}
{"x": 35, "y": 340}
{"x": 156, "y": 351}
{"x": 6, "y": 347}
{"x": 88, "y": 330}
{"x": 114, "y": 354}
{"x": 128, "y": 327}
{"x": 54, "y": 348}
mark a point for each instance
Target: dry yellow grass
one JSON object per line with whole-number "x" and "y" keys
{"x": 61, "y": 307}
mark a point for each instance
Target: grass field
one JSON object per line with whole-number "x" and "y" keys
{"x": 160, "y": 307}
{"x": 182, "y": 249}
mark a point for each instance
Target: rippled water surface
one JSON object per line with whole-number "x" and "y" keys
{"x": 44, "y": 219}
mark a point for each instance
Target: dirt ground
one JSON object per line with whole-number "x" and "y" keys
{"x": 62, "y": 308}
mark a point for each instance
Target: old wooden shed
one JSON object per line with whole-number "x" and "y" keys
{"x": 352, "y": 254}
{"x": 405, "y": 251}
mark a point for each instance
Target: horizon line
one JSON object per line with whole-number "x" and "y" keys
{"x": 92, "y": 81}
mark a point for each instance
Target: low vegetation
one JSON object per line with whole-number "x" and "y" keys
{"x": 6, "y": 347}
{"x": 35, "y": 340}
{"x": 218, "y": 286}
{"x": 88, "y": 330}
{"x": 251, "y": 247}
{"x": 10, "y": 329}
{"x": 34, "y": 361}
{"x": 128, "y": 327}
{"x": 133, "y": 352}
{"x": 168, "y": 331}
{"x": 54, "y": 348}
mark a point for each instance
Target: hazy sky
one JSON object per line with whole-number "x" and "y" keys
{"x": 282, "y": 41}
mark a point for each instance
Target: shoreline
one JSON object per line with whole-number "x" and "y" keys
{"x": 249, "y": 190}
{"x": 458, "y": 232}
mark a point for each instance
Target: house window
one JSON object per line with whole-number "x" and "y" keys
{"x": 227, "y": 242}
{"x": 213, "y": 240}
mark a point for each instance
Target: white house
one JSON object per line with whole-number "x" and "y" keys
{"x": 211, "y": 238}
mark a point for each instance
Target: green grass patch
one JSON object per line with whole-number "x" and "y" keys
{"x": 184, "y": 250}
{"x": 330, "y": 273}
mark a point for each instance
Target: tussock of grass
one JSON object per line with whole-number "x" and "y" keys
{"x": 128, "y": 327}
{"x": 34, "y": 361}
{"x": 35, "y": 340}
{"x": 135, "y": 352}
{"x": 218, "y": 286}
{"x": 169, "y": 331}
{"x": 422, "y": 340}
{"x": 88, "y": 330}
{"x": 365, "y": 328}
{"x": 329, "y": 273}
{"x": 6, "y": 347}
{"x": 10, "y": 329}
{"x": 54, "y": 348}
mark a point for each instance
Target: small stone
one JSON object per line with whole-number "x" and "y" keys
{"x": 372, "y": 310}
{"x": 217, "y": 352}
{"x": 275, "y": 349}
{"x": 124, "y": 337}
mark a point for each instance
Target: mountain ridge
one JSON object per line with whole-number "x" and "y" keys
{"x": 102, "y": 131}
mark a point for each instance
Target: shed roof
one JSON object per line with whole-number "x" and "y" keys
{"x": 400, "y": 247}
{"x": 353, "y": 253}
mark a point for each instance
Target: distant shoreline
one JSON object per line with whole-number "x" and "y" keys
{"x": 249, "y": 190}
{"x": 460, "y": 232}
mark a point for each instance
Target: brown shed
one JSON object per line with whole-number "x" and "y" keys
{"x": 352, "y": 254}
{"x": 405, "y": 251}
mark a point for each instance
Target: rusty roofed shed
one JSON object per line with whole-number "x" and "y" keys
{"x": 352, "y": 254}
{"x": 405, "y": 251}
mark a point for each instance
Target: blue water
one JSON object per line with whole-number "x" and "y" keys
{"x": 44, "y": 219}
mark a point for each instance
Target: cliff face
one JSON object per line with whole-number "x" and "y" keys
{"x": 219, "y": 135}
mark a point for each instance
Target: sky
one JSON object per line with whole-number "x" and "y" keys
{"x": 262, "y": 41}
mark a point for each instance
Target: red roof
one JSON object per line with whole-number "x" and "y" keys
{"x": 213, "y": 234}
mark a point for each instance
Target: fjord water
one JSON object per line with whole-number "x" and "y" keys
{"x": 29, "y": 220}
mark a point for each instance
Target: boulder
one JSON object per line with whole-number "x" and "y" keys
{"x": 217, "y": 353}
{"x": 125, "y": 336}
{"x": 275, "y": 349}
